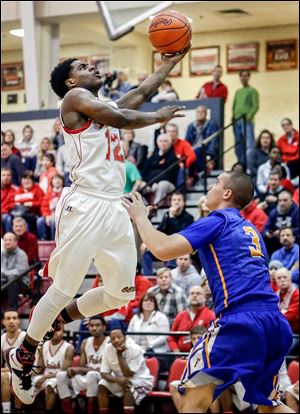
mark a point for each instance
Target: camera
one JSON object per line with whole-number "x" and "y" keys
{"x": 109, "y": 78}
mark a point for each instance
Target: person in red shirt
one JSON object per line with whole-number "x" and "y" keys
{"x": 26, "y": 240}
{"x": 289, "y": 146}
{"x": 50, "y": 171}
{"x": 256, "y": 215}
{"x": 196, "y": 315}
{"x": 296, "y": 196}
{"x": 215, "y": 88}
{"x": 48, "y": 206}
{"x": 8, "y": 191}
{"x": 28, "y": 200}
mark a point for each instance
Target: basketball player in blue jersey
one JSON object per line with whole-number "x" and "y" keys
{"x": 250, "y": 337}
{"x": 91, "y": 223}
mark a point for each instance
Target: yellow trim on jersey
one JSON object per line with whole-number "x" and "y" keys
{"x": 221, "y": 275}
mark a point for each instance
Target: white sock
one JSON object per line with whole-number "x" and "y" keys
{"x": 6, "y": 407}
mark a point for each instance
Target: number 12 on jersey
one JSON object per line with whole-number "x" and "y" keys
{"x": 255, "y": 251}
{"x": 117, "y": 151}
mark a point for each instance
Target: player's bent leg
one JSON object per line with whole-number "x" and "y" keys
{"x": 282, "y": 408}
{"x": 175, "y": 395}
{"x": 128, "y": 402}
{"x": 50, "y": 398}
{"x": 5, "y": 393}
{"x": 196, "y": 400}
{"x": 103, "y": 400}
{"x": 92, "y": 379}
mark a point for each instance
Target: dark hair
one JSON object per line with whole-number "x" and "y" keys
{"x": 242, "y": 188}
{"x": 167, "y": 82}
{"x": 117, "y": 327}
{"x": 27, "y": 126}
{"x": 147, "y": 296}
{"x": 218, "y": 66}
{"x": 237, "y": 164}
{"x": 288, "y": 120}
{"x": 198, "y": 330}
{"x": 287, "y": 228}
{"x": 98, "y": 318}
{"x": 10, "y": 310}
{"x": 275, "y": 171}
{"x": 6, "y": 169}
{"x": 50, "y": 157}
{"x": 57, "y": 176}
{"x": 13, "y": 134}
{"x": 59, "y": 75}
{"x": 265, "y": 131}
{"x": 28, "y": 174}
{"x": 245, "y": 71}
{"x": 178, "y": 193}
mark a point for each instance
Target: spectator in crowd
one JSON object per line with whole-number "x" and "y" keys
{"x": 264, "y": 170}
{"x": 296, "y": 197}
{"x": 13, "y": 162}
{"x": 170, "y": 298}
{"x": 260, "y": 154}
{"x": 209, "y": 303}
{"x": 62, "y": 166}
{"x": 173, "y": 221}
{"x": 269, "y": 199}
{"x": 285, "y": 214}
{"x": 14, "y": 261}
{"x": 246, "y": 102}
{"x": 274, "y": 265}
{"x": 133, "y": 176}
{"x": 161, "y": 159}
{"x": 150, "y": 319}
{"x": 12, "y": 336}
{"x": 292, "y": 396}
{"x": 167, "y": 93}
{"x": 28, "y": 199}
{"x": 288, "y": 298}
{"x": 28, "y": 149}
{"x": 196, "y": 314}
{"x": 8, "y": 191}
{"x": 288, "y": 255}
{"x": 289, "y": 146}
{"x": 198, "y": 131}
{"x": 202, "y": 207}
{"x": 9, "y": 138}
{"x": 141, "y": 77}
{"x": 161, "y": 130}
{"x": 121, "y": 87}
{"x": 45, "y": 147}
{"x": 55, "y": 357}
{"x": 185, "y": 274}
{"x": 46, "y": 223}
{"x": 255, "y": 215}
{"x": 124, "y": 373}
{"x": 197, "y": 333}
{"x": 26, "y": 241}
{"x": 48, "y": 172}
{"x": 215, "y": 88}
{"x": 239, "y": 167}
{"x": 86, "y": 376}
{"x": 137, "y": 152}
{"x": 57, "y": 134}
{"x": 2, "y": 136}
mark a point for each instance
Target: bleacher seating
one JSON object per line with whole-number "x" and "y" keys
{"x": 45, "y": 248}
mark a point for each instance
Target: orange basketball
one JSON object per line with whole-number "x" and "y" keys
{"x": 170, "y": 32}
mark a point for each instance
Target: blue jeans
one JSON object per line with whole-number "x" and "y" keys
{"x": 43, "y": 229}
{"x": 238, "y": 129}
{"x": 6, "y": 223}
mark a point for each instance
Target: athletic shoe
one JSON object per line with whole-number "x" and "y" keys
{"x": 21, "y": 371}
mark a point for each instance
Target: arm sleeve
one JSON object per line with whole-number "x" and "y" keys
{"x": 204, "y": 231}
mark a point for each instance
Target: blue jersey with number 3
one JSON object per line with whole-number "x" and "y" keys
{"x": 235, "y": 261}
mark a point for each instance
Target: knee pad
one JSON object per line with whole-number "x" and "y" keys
{"x": 113, "y": 302}
{"x": 56, "y": 299}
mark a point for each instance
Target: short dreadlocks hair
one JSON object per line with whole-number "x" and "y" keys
{"x": 59, "y": 75}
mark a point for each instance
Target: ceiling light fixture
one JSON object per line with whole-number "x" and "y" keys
{"x": 17, "y": 32}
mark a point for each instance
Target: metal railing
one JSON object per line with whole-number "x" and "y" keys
{"x": 16, "y": 278}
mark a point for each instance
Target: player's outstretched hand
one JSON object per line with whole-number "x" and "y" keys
{"x": 135, "y": 206}
{"x": 177, "y": 57}
{"x": 169, "y": 112}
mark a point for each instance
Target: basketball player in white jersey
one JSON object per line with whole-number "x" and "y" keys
{"x": 86, "y": 376}
{"x": 55, "y": 356}
{"x": 12, "y": 337}
{"x": 91, "y": 222}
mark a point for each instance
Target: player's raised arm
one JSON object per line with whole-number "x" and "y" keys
{"x": 134, "y": 98}
{"x": 82, "y": 101}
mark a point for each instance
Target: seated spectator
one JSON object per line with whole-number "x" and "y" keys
{"x": 12, "y": 162}
{"x": 288, "y": 255}
{"x": 57, "y": 135}
{"x": 9, "y": 138}
{"x": 161, "y": 159}
{"x": 45, "y": 147}
{"x": 48, "y": 172}
{"x": 268, "y": 200}
{"x": 8, "y": 191}
{"x": 133, "y": 176}
{"x": 167, "y": 93}
{"x": 288, "y": 298}
{"x": 292, "y": 396}
{"x": 140, "y": 78}
{"x": 46, "y": 223}
{"x": 209, "y": 302}
{"x": 170, "y": 298}
{"x": 296, "y": 197}
{"x": 124, "y": 373}
{"x": 54, "y": 357}
{"x": 196, "y": 314}
{"x": 260, "y": 154}
{"x": 72, "y": 380}
{"x": 120, "y": 89}
{"x": 285, "y": 214}
{"x": 196, "y": 334}
{"x": 202, "y": 207}
{"x": 26, "y": 241}
{"x": 185, "y": 274}
{"x": 62, "y": 164}
{"x": 12, "y": 336}
{"x": 137, "y": 152}
{"x": 14, "y": 261}
{"x": 239, "y": 167}
{"x": 255, "y": 215}
{"x": 215, "y": 88}
{"x": 264, "y": 170}
{"x": 28, "y": 149}
{"x": 173, "y": 221}
{"x": 274, "y": 265}
{"x": 289, "y": 146}
{"x": 150, "y": 319}
{"x": 28, "y": 200}
{"x": 198, "y": 131}
{"x": 161, "y": 130}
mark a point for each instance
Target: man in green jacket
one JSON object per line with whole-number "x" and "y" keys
{"x": 246, "y": 102}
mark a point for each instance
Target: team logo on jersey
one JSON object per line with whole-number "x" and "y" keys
{"x": 69, "y": 208}
{"x": 128, "y": 289}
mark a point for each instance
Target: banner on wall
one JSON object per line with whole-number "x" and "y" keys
{"x": 12, "y": 76}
